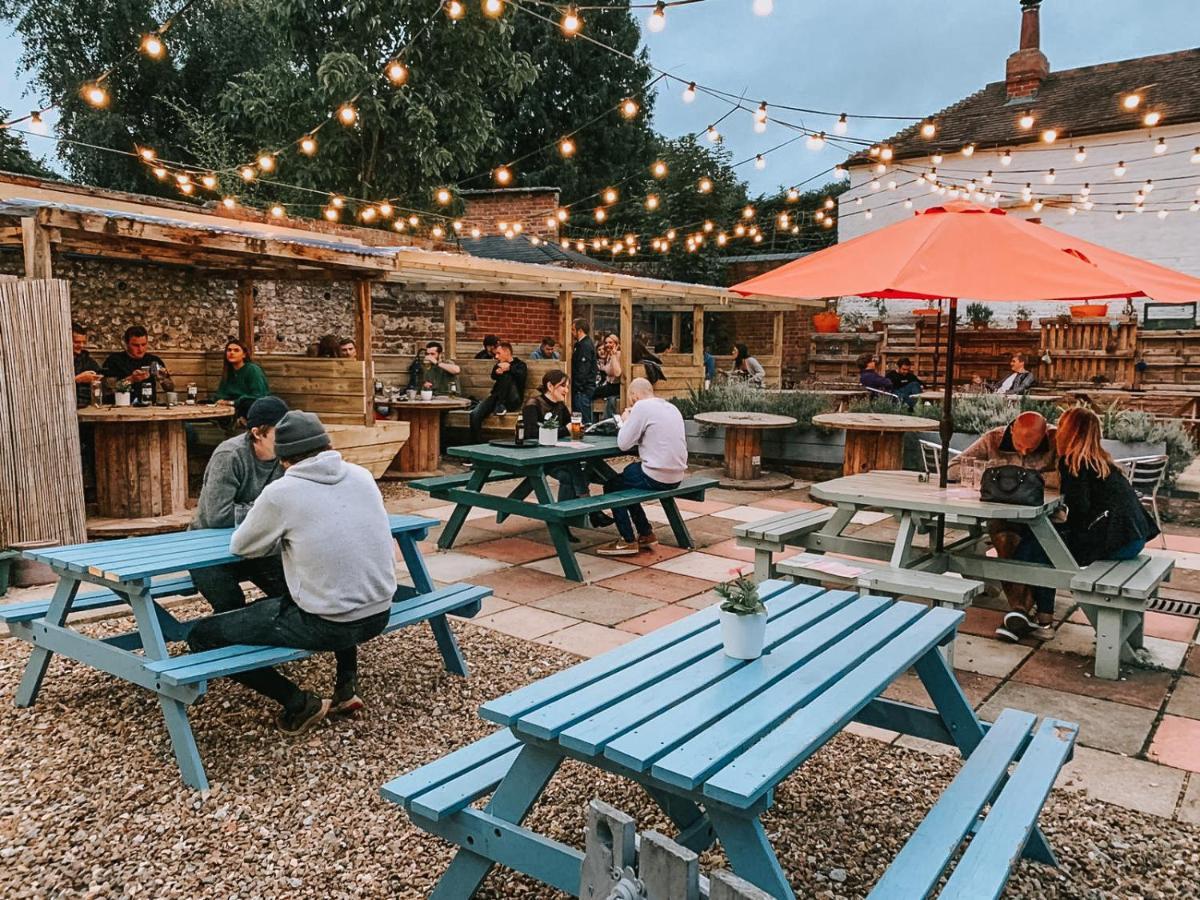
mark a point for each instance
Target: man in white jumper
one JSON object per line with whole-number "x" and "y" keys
{"x": 655, "y": 428}
{"x": 326, "y": 517}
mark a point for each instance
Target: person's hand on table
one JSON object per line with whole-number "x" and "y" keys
{"x": 139, "y": 375}
{"x": 88, "y": 377}
{"x": 223, "y": 403}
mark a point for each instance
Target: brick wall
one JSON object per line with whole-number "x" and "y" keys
{"x": 529, "y": 206}
{"x": 518, "y": 319}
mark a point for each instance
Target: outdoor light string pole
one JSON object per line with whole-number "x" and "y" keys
{"x": 947, "y": 429}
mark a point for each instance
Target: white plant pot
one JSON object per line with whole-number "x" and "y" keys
{"x": 426, "y": 395}
{"x": 547, "y": 437}
{"x": 743, "y": 636}
{"x": 121, "y": 398}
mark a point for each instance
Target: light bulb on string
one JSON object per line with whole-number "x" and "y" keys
{"x": 455, "y": 9}
{"x": 1071, "y": 210}
{"x": 713, "y": 135}
{"x": 37, "y": 124}
{"x": 337, "y": 202}
{"x": 443, "y": 196}
{"x": 936, "y": 159}
{"x": 722, "y": 239}
{"x": 331, "y": 214}
{"x": 1148, "y": 186}
{"x": 1080, "y": 154}
{"x": 689, "y": 92}
{"x": 928, "y": 129}
{"x": 347, "y": 114}
{"x": 1006, "y": 159}
{"x": 908, "y": 204}
{"x": 187, "y": 187}
{"x": 1086, "y": 189}
{"x": 475, "y": 231}
{"x": 610, "y": 195}
{"x": 842, "y": 125}
{"x": 397, "y": 72}
{"x": 95, "y": 95}
{"x": 629, "y": 107}
{"x": 875, "y": 185}
{"x": 277, "y": 211}
{"x": 658, "y": 19}
{"x": 659, "y": 169}
{"x": 840, "y": 171}
{"x": 988, "y": 177}
{"x": 1196, "y": 156}
{"x": 160, "y": 173}
{"x": 1049, "y": 177}
{"x": 228, "y": 202}
{"x": 561, "y": 214}
{"x": 1037, "y": 206}
{"x": 763, "y": 7}
{"x": 760, "y": 117}
{"x": 600, "y": 214}
{"x": 1119, "y": 170}
{"x": 739, "y": 229}
{"x": 385, "y": 209}
{"x": 760, "y": 162}
{"x": 1151, "y": 118}
{"x": 792, "y": 195}
{"x": 493, "y": 8}
{"x": 308, "y": 145}
{"x": 651, "y": 202}
{"x": 1131, "y": 101}
{"x": 1161, "y": 146}
{"x": 1162, "y": 213}
{"x": 1050, "y": 135}
{"x": 566, "y": 147}
{"x": 438, "y": 231}
{"x": 1119, "y": 215}
{"x": 705, "y": 185}
{"x": 502, "y": 175}
{"x": 248, "y": 174}
{"x": 816, "y": 141}
{"x": 152, "y": 45}
{"x": 266, "y": 162}
{"x": 708, "y": 226}
{"x": 968, "y": 150}
{"x": 209, "y": 181}
{"x": 414, "y": 221}
{"x": 1026, "y": 121}
{"x": 671, "y": 234}
{"x": 368, "y": 214}
{"x": 147, "y": 153}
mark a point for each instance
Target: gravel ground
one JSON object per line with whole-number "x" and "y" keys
{"x": 91, "y": 803}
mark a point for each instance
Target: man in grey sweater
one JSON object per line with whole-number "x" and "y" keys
{"x": 327, "y": 516}
{"x": 236, "y": 474}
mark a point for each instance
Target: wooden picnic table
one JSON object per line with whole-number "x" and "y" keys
{"x": 140, "y": 571}
{"x": 873, "y": 440}
{"x": 421, "y": 455}
{"x": 708, "y": 737}
{"x": 743, "y": 448}
{"x": 141, "y": 457}
{"x": 530, "y": 465}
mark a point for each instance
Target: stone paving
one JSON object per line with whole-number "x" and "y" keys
{"x": 1140, "y": 736}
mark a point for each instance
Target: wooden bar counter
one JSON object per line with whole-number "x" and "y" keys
{"x": 141, "y": 457}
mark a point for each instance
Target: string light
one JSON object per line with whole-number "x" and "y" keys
{"x": 1006, "y": 159}
{"x": 760, "y": 162}
{"x": 1151, "y": 118}
{"x": 266, "y": 162}
{"x": 610, "y": 196}
{"x": 842, "y": 125}
{"x": 438, "y": 231}
{"x": 368, "y": 214}
{"x": 1086, "y": 189}
{"x": 629, "y": 108}
{"x": 229, "y": 202}
{"x": 659, "y": 169}
{"x": 443, "y": 196}
{"x": 152, "y": 45}
{"x": 1049, "y": 177}
{"x": 601, "y": 215}
{"x": 968, "y": 150}
{"x": 160, "y": 173}
{"x": 748, "y": 212}
{"x": 455, "y": 9}
{"x": 885, "y": 153}
{"x": 308, "y": 145}
{"x": 792, "y": 195}
{"x": 816, "y": 141}
{"x": 658, "y": 19}
{"x": 713, "y": 134}
{"x": 1161, "y": 146}
{"x": 187, "y": 188}
{"x": 1131, "y": 101}
{"x": 385, "y": 209}
{"x": 928, "y": 129}
{"x": 651, "y": 202}
{"x": 1026, "y": 121}
{"x": 502, "y": 175}
{"x": 760, "y": 117}
{"x": 1080, "y": 154}
{"x": 1050, "y": 135}
{"x": 397, "y": 72}
{"x": 337, "y": 202}
{"x": 1148, "y": 186}
{"x": 936, "y": 159}
{"x": 561, "y": 214}
{"x": 689, "y": 93}
{"x": 1196, "y": 155}
{"x": 763, "y": 7}
{"x": 1119, "y": 170}
{"x": 493, "y": 8}
{"x": 566, "y": 147}
{"x": 209, "y": 181}
{"x": 248, "y": 174}
{"x": 331, "y": 214}
{"x": 95, "y": 95}
{"x": 277, "y": 211}
{"x": 705, "y": 185}
{"x": 347, "y": 114}
{"x": 987, "y": 177}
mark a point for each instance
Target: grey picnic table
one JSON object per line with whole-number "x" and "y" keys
{"x": 709, "y": 738}
{"x": 529, "y": 465}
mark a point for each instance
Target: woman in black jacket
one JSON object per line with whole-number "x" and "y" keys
{"x": 1105, "y": 518}
{"x": 551, "y": 400}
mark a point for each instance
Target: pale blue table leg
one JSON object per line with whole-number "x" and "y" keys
{"x": 520, "y": 492}
{"x": 423, "y": 584}
{"x": 558, "y": 531}
{"x": 183, "y": 742}
{"x": 696, "y": 832}
{"x": 749, "y": 851}
{"x": 459, "y": 517}
{"x": 39, "y": 659}
{"x": 964, "y": 726}
{"x": 512, "y": 801}
{"x": 415, "y": 562}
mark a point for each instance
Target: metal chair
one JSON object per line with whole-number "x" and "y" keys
{"x": 1146, "y": 474}
{"x": 931, "y": 456}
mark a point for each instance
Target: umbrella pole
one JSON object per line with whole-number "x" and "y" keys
{"x": 947, "y": 429}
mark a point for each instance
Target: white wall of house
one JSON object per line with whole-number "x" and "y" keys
{"x": 1173, "y": 241}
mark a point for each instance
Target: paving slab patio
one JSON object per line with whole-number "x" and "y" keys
{"x": 731, "y": 550}
{"x": 1185, "y": 698}
{"x": 512, "y": 550}
{"x": 1131, "y": 783}
{"x": 596, "y": 604}
{"x": 455, "y": 565}
{"x": 1171, "y": 627}
{"x": 594, "y": 568}
{"x": 1189, "y": 806}
{"x": 1177, "y": 743}
{"x": 1073, "y": 672}
{"x": 587, "y": 639}
{"x": 521, "y": 584}
{"x": 701, "y": 565}
{"x": 525, "y": 622}
{"x": 746, "y": 513}
{"x": 908, "y": 688}
{"x": 656, "y": 553}
{"x": 988, "y": 657}
{"x": 655, "y": 619}
{"x": 700, "y": 601}
{"x": 656, "y": 584}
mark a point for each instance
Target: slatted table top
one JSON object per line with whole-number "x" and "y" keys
{"x": 875, "y": 422}
{"x": 672, "y": 707}
{"x": 145, "y": 557}
{"x": 905, "y": 491}
{"x": 745, "y": 420}
{"x": 179, "y": 413}
{"x": 591, "y": 447}
{"x": 435, "y": 403}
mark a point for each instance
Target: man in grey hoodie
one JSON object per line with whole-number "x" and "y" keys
{"x": 236, "y": 474}
{"x": 327, "y": 517}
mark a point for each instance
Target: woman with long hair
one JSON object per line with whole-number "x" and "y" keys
{"x": 551, "y": 400}
{"x": 609, "y": 389}
{"x": 1105, "y": 518}
{"x": 746, "y": 367}
{"x": 242, "y": 381}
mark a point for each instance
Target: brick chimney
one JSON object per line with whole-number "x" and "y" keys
{"x": 530, "y": 206}
{"x": 1028, "y": 67}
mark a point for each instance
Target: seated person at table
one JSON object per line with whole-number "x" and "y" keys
{"x": 904, "y": 381}
{"x": 508, "y": 389}
{"x": 1019, "y": 380}
{"x": 347, "y": 349}
{"x": 710, "y": 367}
{"x": 1030, "y": 443}
{"x": 235, "y": 476}
{"x": 1105, "y": 518}
{"x": 545, "y": 350}
{"x": 134, "y": 362}
{"x": 870, "y": 377}
{"x": 340, "y": 568}
{"x": 87, "y": 370}
{"x": 746, "y": 367}
{"x": 608, "y": 360}
{"x": 551, "y": 399}
{"x": 655, "y": 428}
{"x": 241, "y": 379}
{"x": 490, "y": 343}
{"x": 433, "y": 369}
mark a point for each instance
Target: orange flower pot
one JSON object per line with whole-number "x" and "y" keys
{"x": 826, "y": 322}
{"x": 1089, "y": 310}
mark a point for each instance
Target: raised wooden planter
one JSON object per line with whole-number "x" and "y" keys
{"x": 371, "y": 446}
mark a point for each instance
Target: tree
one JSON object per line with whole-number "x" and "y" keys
{"x": 15, "y": 156}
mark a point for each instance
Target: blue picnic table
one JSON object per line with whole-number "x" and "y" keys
{"x": 710, "y": 738}
{"x": 138, "y": 572}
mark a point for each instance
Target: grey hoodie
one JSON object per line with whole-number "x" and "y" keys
{"x": 327, "y": 516}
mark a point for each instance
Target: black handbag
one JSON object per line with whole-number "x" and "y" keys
{"x": 1012, "y": 484}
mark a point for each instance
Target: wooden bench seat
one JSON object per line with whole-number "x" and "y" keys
{"x": 999, "y": 841}
{"x": 820, "y": 569}
{"x": 1114, "y": 596}
{"x": 774, "y": 535}
{"x": 195, "y": 668}
{"x": 99, "y": 599}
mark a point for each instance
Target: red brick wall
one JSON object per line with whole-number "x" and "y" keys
{"x": 517, "y": 319}
{"x": 531, "y": 208}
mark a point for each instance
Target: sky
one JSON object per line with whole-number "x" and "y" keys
{"x": 868, "y": 57}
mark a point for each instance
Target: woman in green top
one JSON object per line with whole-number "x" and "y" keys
{"x": 242, "y": 379}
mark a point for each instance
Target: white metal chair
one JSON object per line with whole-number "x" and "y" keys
{"x": 931, "y": 456}
{"x": 1146, "y": 474}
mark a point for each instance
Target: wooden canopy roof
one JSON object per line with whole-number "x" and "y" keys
{"x": 113, "y": 225}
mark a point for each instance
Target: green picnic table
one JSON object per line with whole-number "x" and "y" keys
{"x": 529, "y": 465}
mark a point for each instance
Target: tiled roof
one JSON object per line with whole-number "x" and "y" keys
{"x": 1075, "y": 102}
{"x": 521, "y": 249}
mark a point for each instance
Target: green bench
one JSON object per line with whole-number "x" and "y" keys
{"x": 776, "y": 534}
{"x": 1114, "y": 596}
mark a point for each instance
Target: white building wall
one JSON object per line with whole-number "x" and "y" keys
{"x": 1173, "y": 241}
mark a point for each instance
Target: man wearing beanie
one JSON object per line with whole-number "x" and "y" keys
{"x": 236, "y": 474}
{"x": 328, "y": 518}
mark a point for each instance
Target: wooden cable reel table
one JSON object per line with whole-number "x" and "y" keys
{"x": 421, "y": 455}
{"x": 141, "y": 457}
{"x": 743, "y": 449}
{"x": 874, "y": 440}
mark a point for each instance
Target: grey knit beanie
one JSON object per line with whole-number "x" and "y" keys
{"x": 300, "y": 432}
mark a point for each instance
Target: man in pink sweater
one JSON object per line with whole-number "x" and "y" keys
{"x": 655, "y": 428}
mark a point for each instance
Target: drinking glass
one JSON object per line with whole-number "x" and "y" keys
{"x": 576, "y": 426}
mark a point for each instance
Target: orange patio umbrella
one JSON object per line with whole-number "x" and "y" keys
{"x": 972, "y": 251}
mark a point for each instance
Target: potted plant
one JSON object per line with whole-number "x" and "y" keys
{"x": 979, "y": 315}
{"x": 427, "y": 391}
{"x": 743, "y": 617}
{"x": 930, "y": 310}
{"x": 121, "y": 392}
{"x": 855, "y": 321}
{"x": 1089, "y": 310}
{"x": 827, "y": 321}
{"x": 881, "y": 315}
{"x": 548, "y": 430}
{"x": 1024, "y": 319}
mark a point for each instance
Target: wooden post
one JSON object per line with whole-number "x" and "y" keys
{"x": 35, "y": 240}
{"x": 676, "y": 330}
{"x": 566, "y": 315}
{"x": 450, "y": 317}
{"x": 698, "y": 336}
{"x": 777, "y": 343}
{"x": 626, "y": 335}
{"x": 362, "y": 345}
{"x": 245, "y": 310}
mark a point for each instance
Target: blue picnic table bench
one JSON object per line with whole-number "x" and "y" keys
{"x": 138, "y": 572}
{"x": 709, "y": 738}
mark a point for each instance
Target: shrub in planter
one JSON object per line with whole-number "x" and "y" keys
{"x": 1135, "y": 426}
{"x": 738, "y": 397}
{"x": 979, "y": 315}
{"x": 1024, "y": 319}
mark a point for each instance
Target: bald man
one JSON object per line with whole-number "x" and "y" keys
{"x": 655, "y": 428}
{"x": 1028, "y": 442}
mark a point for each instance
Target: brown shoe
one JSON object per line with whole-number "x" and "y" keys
{"x": 647, "y": 541}
{"x": 618, "y": 548}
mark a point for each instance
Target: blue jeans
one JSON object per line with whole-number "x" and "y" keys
{"x": 908, "y": 394}
{"x": 581, "y": 402}
{"x": 629, "y": 517}
{"x": 1029, "y": 550}
{"x": 572, "y": 483}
